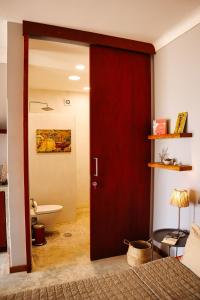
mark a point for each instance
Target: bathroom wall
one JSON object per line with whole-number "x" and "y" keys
{"x": 60, "y": 178}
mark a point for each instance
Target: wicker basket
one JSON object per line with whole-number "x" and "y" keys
{"x": 139, "y": 252}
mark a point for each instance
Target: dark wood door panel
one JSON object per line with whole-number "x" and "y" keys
{"x": 120, "y": 122}
{"x": 3, "y": 240}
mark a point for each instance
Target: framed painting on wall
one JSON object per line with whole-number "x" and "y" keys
{"x": 53, "y": 140}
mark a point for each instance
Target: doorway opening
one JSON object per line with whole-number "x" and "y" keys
{"x": 119, "y": 69}
{"x": 58, "y": 135}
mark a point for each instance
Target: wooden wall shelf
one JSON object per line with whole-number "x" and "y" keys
{"x": 3, "y": 131}
{"x": 170, "y": 167}
{"x": 170, "y": 136}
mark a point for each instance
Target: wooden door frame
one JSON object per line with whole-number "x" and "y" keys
{"x": 61, "y": 34}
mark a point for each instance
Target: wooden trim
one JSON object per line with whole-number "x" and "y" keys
{"x": 3, "y": 131}
{"x": 21, "y": 268}
{"x": 26, "y": 164}
{"x": 3, "y": 249}
{"x": 39, "y": 30}
{"x": 170, "y": 136}
{"x": 50, "y": 32}
{"x": 170, "y": 167}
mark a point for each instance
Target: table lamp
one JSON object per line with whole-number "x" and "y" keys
{"x": 180, "y": 199}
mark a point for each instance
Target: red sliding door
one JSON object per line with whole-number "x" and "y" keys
{"x": 120, "y": 122}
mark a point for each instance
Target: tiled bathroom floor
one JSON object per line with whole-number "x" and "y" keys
{"x": 67, "y": 243}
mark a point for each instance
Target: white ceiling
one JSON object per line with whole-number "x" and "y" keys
{"x": 155, "y": 21}
{"x": 51, "y": 63}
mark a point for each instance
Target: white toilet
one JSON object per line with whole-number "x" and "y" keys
{"x": 38, "y": 230}
{"x": 43, "y": 209}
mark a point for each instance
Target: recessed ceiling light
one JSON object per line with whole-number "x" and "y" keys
{"x": 86, "y": 88}
{"x": 73, "y": 77}
{"x": 80, "y": 67}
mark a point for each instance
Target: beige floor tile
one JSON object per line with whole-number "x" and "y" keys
{"x": 67, "y": 243}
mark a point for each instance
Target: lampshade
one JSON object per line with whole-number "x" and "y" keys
{"x": 179, "y": 198}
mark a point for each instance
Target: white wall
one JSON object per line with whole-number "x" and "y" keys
{"x": 15, "y": 144}
{"x": 177, "y": 75}
{"x": 52, "y": 176}
{"x": 3, "y": 95}
{"x": 71, "y": 189}
{"x": 3, "y": 148}
{"x": 3, "y": 41}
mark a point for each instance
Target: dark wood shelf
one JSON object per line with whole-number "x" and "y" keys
{"x": 170, "y": 136}
{"x": 3, "y": 131}
{"x": 170, "y": 167}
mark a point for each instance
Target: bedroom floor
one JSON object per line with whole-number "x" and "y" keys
{"x": 63, "y": 258}
{"x": 54, "y": 275}
{"x": 4, "y": 263}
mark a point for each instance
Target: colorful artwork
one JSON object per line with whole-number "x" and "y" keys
{"x": 159, "y": 126}
{"x": 53, "y": 140}
{"x": 180, "y": 123}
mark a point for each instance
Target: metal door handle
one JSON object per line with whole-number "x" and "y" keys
{"x": 96, "y": 166}
{"x": 94, "y": 184}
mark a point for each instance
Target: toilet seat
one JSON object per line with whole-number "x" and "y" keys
{"x": 46, "y": 209}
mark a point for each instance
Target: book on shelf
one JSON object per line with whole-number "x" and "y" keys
{"x": 170, "y": 239}
{"x": 159, "y": 126}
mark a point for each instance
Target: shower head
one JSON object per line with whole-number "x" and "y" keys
{"x": 47, "y": 108}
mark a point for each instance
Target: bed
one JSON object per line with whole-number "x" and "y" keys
{"x": 165, "y": 278}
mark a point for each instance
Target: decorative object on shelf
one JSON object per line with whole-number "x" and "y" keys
{"x": 164, "y": 158}
{"x": 159, "y": 126}
{"x": 179, "y": 198}
{"x": 169, "y": 161}
{"x": 163, "y": 154}
{"x": 53, "y": 140}
{"x": 180, "y": 123}
{"x": 176, "y": 166}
